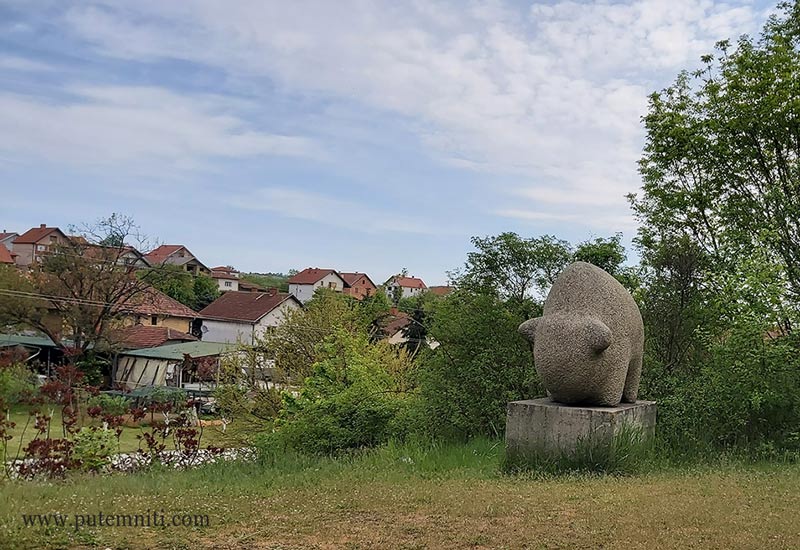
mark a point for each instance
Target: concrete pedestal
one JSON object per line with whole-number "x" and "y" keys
{"x": 537, "y": 426}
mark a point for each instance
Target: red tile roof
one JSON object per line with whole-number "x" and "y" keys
{"x": 5, "y": 255}
{"x": 36, "y": 234}
{"x": 309, "y": 276}
{"x": 250, "y": 286}
{"x": 4, "y": 236}
{"x": 142, "y": 336}
{"x": 154, "y": 302}
{"x": 160, "y": 254}
{"x": 410, "y": 282}
{"x": 244, "y": 306}
{"x": 352, "y": 278}
{"x": 396, "y": 323}
{"x": 224, "y": 272}
{"x": 441, "y": 290}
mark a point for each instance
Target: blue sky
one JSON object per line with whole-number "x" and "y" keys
{"x": 365, "y": 136}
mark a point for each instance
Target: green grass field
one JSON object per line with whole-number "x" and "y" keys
{"x": 419, "y": 497}
{"x": 128, "y": 442}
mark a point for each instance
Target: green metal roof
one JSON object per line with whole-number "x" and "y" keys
{"x": 7, "y": 340}
{"x": 177, "y": 351}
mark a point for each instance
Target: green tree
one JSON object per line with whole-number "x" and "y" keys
{"x": 513, "y": 267}
{"x": 205, "y": 291}
{"x": 721, "y": 156}
{"x": 81, "y": 290}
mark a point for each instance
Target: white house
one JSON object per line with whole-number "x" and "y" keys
{"x": 227, "y": 278}
{"x": 409, "y": 286}
{"x": 245, "y": 316}
{"x": 303, "y": 284}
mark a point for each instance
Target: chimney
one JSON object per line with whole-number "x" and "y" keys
{"x": 272, "y": 291}
{"x": 42, "y": 225}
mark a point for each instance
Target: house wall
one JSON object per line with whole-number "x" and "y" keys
{"x": 27, "y": 253}
{"x": 177, "y": 323}
{"x": 245, "y": 332}
{"x": 227, "y": 284}
{"x": 407, "y": 292}
{"x": 362, "y": 287}
{"x": 305, "y": 292}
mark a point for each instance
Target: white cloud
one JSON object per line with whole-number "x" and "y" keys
{"x": 113, "y": 125}
{"x": 326, "y": 210}
{"x": 14, "y": 63}
{"x": 552, "y": 93}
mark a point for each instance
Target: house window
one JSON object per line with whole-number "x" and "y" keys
{"x": 154, "y": 320}
{"x": 40, "y": 247}
{"x": 332, "y": 285}
{"x": 228, "y": 283}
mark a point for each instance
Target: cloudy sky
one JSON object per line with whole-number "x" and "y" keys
{"x": 359, "y": 135}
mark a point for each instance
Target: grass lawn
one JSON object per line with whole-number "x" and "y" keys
{"x": 417, "y": 497}
{"x": 128, "y": 442}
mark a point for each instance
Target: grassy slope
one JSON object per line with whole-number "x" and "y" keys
{"x": 417, "y": 498}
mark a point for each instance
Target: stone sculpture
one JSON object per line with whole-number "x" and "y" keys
{"x": 587, "y": 345}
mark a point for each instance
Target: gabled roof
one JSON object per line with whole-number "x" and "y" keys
{"x": 7, "y": 234}
{"x": 350, "y": 278}
{"x": 311, "y": 275}
{"x": 246, "y": 307}
{"x": 5, "y": 255}
{"x": 36, "y": 234}
{"x": 161, "y": 253}
{"x": 409, "y": 282}
{"x": 154, "y": 302}
{"x": 224, "y": 272}
{"x": 142, "y": 336}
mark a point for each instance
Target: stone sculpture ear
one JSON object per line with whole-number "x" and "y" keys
{"x": 598, "y": 335}
{"x": 528, "y": 329}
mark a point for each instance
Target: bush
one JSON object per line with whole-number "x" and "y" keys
{"x": 743, "y": 391}
{"x": 17, "y": 383}
{"x": 355, "y": 397}
{"x": 113, "y": 405}
{"x": 93, "y": 447}
{"x": 481, "y": 364}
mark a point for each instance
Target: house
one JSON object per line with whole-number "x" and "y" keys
{"x": 303, "y": 284}
{"x": 358, "y": 285}
{"x": 126, "y": 256}
{"x": 5, "y": 255}
{"x": 227, "y": 278}
{"x": 145, "y": 336}
{"x": 177, "y": 254}
{"x": 406, "y": 287}
{"x": 154, "y": 308}
{"x": 35, "y": 243}
{"x": 247, "y": 286}
{"x": 7, "y": 238}
{"x": 245, "y": 316}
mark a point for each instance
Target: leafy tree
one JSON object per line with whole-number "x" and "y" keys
{"x": 721, "y": 157}
{"x": 172, "y": 280}
{"x": 205, "y": 291}
{"x": 513, "y": 267}
{"x": 81, "y": 290}
{"x": 480, "y": 365}
{"x": 607, "y": 254}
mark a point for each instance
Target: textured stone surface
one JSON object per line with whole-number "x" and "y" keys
{"x": 541, "y": 425}
{"x": 587, "y": 345}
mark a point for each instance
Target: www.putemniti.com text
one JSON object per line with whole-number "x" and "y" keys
{"x": 100, "y": 519}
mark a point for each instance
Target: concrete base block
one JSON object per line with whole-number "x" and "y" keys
{"x": 537, "y": 426}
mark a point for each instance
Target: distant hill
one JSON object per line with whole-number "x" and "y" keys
{"x": 267, "y": 280}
